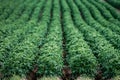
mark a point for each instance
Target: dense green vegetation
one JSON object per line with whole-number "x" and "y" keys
{"x": 50, "y": 60}
{"x": 78, "y": 50}
{"x": 44, "y": 36}
{"x": 115, "y": 3}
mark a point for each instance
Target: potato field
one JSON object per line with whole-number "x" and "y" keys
{"x": 63, "y": 38}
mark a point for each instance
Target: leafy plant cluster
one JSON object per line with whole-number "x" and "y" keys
{"x": 107, "y": 56}
{"x": 7, "y": 9}
{"x": 106, "y": 32}
{"x": 105, "y": 13}
{"x": 50, "y": 61}
{"x": 37, "y": 33}
{"x": 80, "y": 57}
{"x": 112, "y": 10}
{"x": 98, "y": 16}
{"x": 19, "y": 46}
{"x": 115, "y": 3}
{"x": 18, "y": 20}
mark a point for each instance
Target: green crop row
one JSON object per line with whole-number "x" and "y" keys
{"x": 97, "y": 15}
{"x": 9, "y": 28}
{"x": 50, "y": 61}
{"x": 20, "y": 47}
{"x": 14, "y": 23}
{"x": 80, "y": 57}
{"x": 109, "y": 35}
{"x": 113, "y": 11}
{"x": 8, "y": 9}
{"x": 108, "y": 57}
{"x": 115, "y": 3}
{"x": 43, "y": 36}
{"x": 106, "y": 13}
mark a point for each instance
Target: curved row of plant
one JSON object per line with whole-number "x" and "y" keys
{"x": 106, "y": 32}
{"x": 113, "y": 11}
{"x": 106, "y": 13}
{"x": 115, "y": 3}
{"x": 50, "y": 61}
{"x": 97, "y": 16}
{"x": 30, "y": 45}
{"x": 80, "y": 57}
{"x": 20, "y": 47}
{"x": 37, "y": 13}
{"x": 9, "y": 8}
{"x": 8, "y": 29}
{"x": 20, "y": 12}
{"x": 108, "y": 57}
{"x": 19, "y": 15}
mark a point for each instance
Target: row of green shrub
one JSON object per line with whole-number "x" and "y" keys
{"x": 7, "y": 8}
{"x": 114, "y": 3}
{"x": 106, "y": 32}
{"x": 105, "y": 12}
{"x": 79, "y": 55}
{"x": 107, "y": 57}
{"x": 97, "y": 15}
{"x": 31, "y": 35}
{"x": 18, "y": 48}
{"x": 50, "y": 61}
{"x": 112, "y": 10}
{"x": 19, "y": 18}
